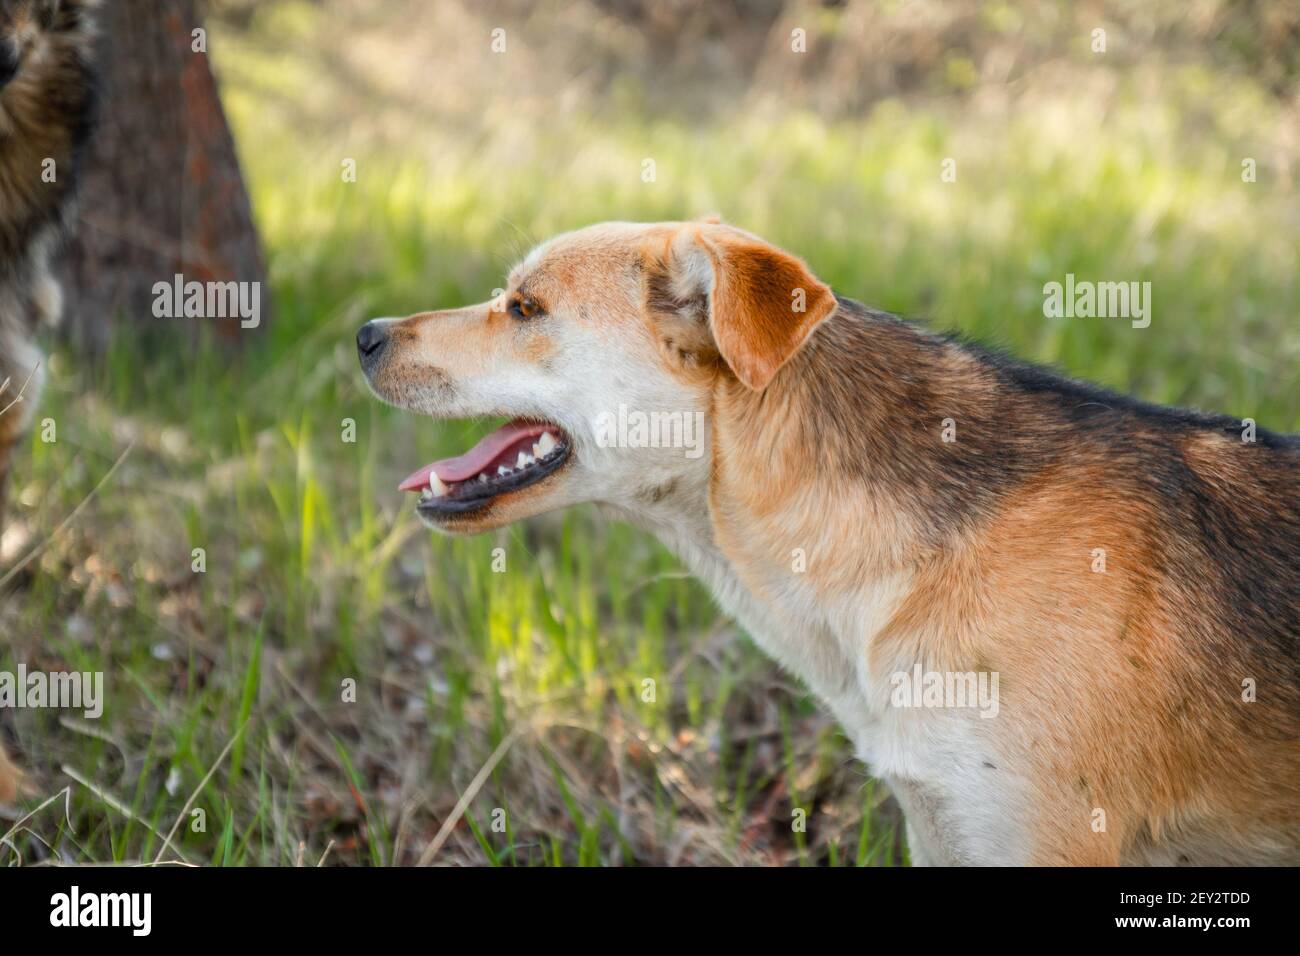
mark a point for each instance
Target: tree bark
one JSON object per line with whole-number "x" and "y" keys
{"x": 161, "y": 191}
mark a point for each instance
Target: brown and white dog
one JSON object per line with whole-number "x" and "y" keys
{"x": 896, "y": 516}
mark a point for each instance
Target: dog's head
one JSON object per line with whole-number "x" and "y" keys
{"x": 30, "y": 30}
{"x": 605, "y": 350}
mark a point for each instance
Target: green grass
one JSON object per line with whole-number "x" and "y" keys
{"x": 317, "y": 572}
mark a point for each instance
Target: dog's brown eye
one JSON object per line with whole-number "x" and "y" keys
{"x": 525, "y": 308}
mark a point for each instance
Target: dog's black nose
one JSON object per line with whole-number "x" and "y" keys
{"x": 8, "y": 65}
{"x": 370, "y": 339}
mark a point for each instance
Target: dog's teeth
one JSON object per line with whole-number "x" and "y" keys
{"x": 426, "y": 494}
{"x": 436, "y": 488}
{"x": 503, "y": 470}
{"x": 482, "y": 476}
{"x": 525, "y": 460}
{"x": 545, "y": 445}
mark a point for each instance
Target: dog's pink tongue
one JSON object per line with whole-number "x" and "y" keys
{"x": 476, "y": 459}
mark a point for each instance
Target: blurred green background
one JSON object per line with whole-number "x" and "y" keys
{"x": 522, "y": 690}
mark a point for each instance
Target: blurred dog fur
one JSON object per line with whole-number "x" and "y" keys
{"x": 47, "y": 94}
{"x": 1149, "y": 705}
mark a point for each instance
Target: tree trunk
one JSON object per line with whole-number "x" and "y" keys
{"x": 160, "y": 187}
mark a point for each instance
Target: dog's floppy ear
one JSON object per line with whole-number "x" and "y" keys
{"x": 762, "y": 302}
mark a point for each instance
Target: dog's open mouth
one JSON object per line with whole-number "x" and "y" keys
{"x": 518, "y": 454}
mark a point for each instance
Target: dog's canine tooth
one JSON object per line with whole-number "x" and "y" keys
{"x": 525, "y": 460}
{"x": 545, "y": 445}
{"x": 436, "y": 488}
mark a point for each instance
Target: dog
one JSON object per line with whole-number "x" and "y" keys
{"x": 47, "y": 96}
{"x": 892, "y": 513}
{"x": 47, "y": 90}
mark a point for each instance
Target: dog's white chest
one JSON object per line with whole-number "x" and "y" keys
{"x": 938, "y": 758}
{"x": 959, "y": 799}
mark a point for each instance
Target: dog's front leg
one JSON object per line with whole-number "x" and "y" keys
{"x": 925, "y": 843}
{"x": 954, "y": 825}
{"x": 917, "y": 851}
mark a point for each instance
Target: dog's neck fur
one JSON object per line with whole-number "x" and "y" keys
{"x": 772, "y": 620}
{"x": 683, "y": 522}
{"x": 818, "y": 560}
{"x": 769, "y": 561}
